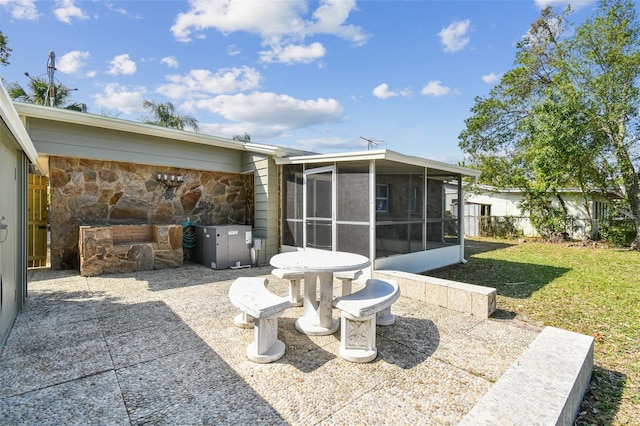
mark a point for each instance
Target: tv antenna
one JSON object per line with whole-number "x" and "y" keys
{"x": 50, "y": 95}
{"x": 371, "y": 142}
{"x": 51, "y": 70}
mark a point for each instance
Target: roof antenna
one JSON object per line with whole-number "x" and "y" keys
{"x": 371, "y": 142}
{"x": 51, "y": 69}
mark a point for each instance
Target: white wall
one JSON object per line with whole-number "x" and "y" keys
{"x": 506, "y": 204}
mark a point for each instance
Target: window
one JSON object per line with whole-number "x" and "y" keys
{"x": 382, "y": 198}
{"x": 600, "y": 210}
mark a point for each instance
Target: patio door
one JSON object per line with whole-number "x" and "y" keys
{"x": 319, "y": 208}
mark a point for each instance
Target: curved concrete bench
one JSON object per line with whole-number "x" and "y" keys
{"x": 252, "y": 297}
{"x": 295, "y": 280}
{"x": 358, "y": 319}
{"x": 384, "y": 317}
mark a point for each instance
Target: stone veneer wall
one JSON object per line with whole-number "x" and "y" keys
{"x": 98, "y": 193}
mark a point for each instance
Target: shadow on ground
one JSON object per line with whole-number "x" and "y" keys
{"x": 95, "y": 357}
{"x": 603, "y": 396}
{"x": 499, "y": 274}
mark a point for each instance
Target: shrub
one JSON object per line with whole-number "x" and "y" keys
{"x": 619, "y": 232}
{"x": 499, "y": 226}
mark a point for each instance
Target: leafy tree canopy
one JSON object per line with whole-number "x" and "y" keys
{"x": 242, "y": 138}
{"x": 567, "y": 114}
{"x": 164, "y": 114}
{"x": 5, "y": 51}
{"x": 38, "y": 92}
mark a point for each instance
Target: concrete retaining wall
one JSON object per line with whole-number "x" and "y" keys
{"x": 462, "y": 297}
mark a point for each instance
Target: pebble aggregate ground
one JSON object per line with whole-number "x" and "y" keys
{"x": 160, "y": 347}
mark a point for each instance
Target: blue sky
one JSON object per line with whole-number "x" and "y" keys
{"x": 316, "y": 75}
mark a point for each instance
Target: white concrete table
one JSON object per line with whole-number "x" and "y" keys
{"x": 318, "y": 267}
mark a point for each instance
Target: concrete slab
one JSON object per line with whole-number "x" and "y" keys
{"x": 543, "y": 387}
{"x": 161, "y": 347}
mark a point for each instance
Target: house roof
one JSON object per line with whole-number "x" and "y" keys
{"x": 283, "y": 155}
{"x": 100, "y": 121}
{"x": 11, "y": 118}
{"x": 495, "y": 190}
{"x": 379, "y": 154}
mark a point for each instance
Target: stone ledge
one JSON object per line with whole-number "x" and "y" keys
{"x": 545, "y": 385}
{"x": 129, "y": 248}
{"x": 461, "y": 297}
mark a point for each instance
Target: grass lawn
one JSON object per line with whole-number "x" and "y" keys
{"x": 589, "y": 290}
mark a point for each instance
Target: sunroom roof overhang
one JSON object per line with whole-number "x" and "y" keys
{"x": 381, "y": 155}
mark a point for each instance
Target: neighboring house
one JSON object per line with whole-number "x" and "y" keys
{"x": 104, "y": 171}
{"x": 486, "y": 201}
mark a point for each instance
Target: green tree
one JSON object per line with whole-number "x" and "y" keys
{"x": 567, "y": 113}
{"x": 39, "y": 93}
{"x": 5, "y": 51}
{"x": 164, "y": 114}
{"x": 242, "y": 138}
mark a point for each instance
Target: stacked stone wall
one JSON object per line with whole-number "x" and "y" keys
{"x": 86, "y": 192}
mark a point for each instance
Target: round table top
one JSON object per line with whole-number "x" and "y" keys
{"x": 320, "y": 261}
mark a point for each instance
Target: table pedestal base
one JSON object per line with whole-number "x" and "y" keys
{"x": 310, "y": 329}
{"x": 317, "y": 319}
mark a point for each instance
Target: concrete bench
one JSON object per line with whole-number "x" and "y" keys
{"x": 295, "y": 279}
{"x": 384, "y": 317}
{"x": 358, "y": 318}
{"x": 252, "y": 297}
{"x": 545, "y": 385}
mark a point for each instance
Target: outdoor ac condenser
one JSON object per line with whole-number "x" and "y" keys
{"x": 223, "y": 246}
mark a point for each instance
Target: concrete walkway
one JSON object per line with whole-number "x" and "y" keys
{"x": 160, "y": 347}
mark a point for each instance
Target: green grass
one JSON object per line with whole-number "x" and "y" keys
{"x": 589, "y": 290}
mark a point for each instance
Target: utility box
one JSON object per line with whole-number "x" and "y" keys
{"x": 223, "y": 246}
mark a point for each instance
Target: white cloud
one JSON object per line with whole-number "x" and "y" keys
{"x": 200, "y": 82}
{"x": 233, "y": 50}
{"x": 330, "y": 17}
{"x": 21, "y": 9}
{"x": 71, "y": 62}
{"x": 279, "y": 23}
{"x": 293, "y": 53}
{"x": 66, "y": 10}
{"x": 454, "y": 37}
{"x": 435, "y": 88}
{"x": 575, "y": 4}
{"x": 490, "y": 78}
{"x": 115, "y": 96}
{"x": 281, "y": 112}
{"x": 382, "y": 92}
{"x": 263, "y": 17}
{"x": 121, "y": 64}
{"x": 91, "y": 73}
{"x": 169, "y": 61}
{"x": 117, "y": 9}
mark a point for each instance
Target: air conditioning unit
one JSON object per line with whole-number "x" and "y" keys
{"x": 223, "y": 246}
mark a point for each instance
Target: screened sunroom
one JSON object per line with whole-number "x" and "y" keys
{"x": 397, "y": 210}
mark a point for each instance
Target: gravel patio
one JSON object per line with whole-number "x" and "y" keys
{"x": 160, "y": 347}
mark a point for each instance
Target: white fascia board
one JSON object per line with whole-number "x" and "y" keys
{"x": 12, "y": 119}
{"x": 431, "y": 164}
{"x": 323, "y": 158}
{"x": 380, "y": 154}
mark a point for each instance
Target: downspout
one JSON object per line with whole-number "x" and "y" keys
{"x": 461, "y": 204}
